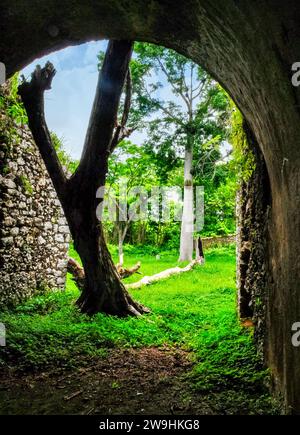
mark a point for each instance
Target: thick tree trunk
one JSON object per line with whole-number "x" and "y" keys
{"x": 103, "y": 290}
{"x": 187, "y": 223}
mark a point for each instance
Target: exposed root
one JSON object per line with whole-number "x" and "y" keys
{"x": 120, "y": 305}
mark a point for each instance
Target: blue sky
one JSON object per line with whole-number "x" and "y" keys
{"x": 68, "y": 103}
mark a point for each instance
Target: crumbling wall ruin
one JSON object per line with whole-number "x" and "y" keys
{"x": 34, "y": 236}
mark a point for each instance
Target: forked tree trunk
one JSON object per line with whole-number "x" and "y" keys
{"x": 103, "y": 290}
{"x": 187, "y": 223}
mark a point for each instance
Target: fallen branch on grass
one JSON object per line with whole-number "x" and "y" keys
{"x": 125, "y": 273}
{"x": 78, "y": 273}
{"x": 162, "y": 275}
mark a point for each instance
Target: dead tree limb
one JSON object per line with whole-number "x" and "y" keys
{"x": 32, "y": 94}
{"x": 77, "y": 271}
{"x": 125, "y": 272}
{"x": 146, "y": 280}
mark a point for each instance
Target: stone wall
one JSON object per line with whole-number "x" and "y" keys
{"x": 34, "y": 235}
{"x": 252, "y": 217}
{"x": 218, "y": 240}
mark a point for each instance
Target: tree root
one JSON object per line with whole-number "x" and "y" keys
{"x": 123, "y": 306}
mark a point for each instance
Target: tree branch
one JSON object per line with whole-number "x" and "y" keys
{"x": 103, "y": 118}
{"x": 200, "y": 87}
{"x": 162, "y": 108}
{"x": 172, "y": 84}
{"x": 32, "y": 95}
{"x": 120, "y": 132}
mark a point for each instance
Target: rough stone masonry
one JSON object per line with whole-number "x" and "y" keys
{"x": 34, "y": 236}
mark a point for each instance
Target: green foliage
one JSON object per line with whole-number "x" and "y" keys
{"x": 244, "y": 160}
{"x": 131, "y": 162}
{"x": 192, "y": 114}
{"x": 23, "y": 181}
{"x": 195, "y": 113}
{"x": 226, "y": 359}
{"x": 11, "y": 102}
{"x": 12, "y": 112}
{"x": 219, "y": 201}
{"x": 129, "y": 167}
{"x": 62, "y": 155}
{"x": 141, "y": 106}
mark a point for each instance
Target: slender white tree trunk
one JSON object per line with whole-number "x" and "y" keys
{"x": 187, "y": 223}
{"x": 120, "y": 247}
{"x": 196, "y": 248}
{"x": 122, "y": 235}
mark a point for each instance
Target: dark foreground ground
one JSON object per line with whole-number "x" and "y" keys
{"x": 131, "y": 382}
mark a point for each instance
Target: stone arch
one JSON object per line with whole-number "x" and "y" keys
{"x": 249, "y": 48}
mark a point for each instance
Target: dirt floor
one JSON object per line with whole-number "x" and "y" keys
{"x": 146, "y": 381}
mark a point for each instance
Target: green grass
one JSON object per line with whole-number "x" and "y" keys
{"x": 195, "y": 311}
